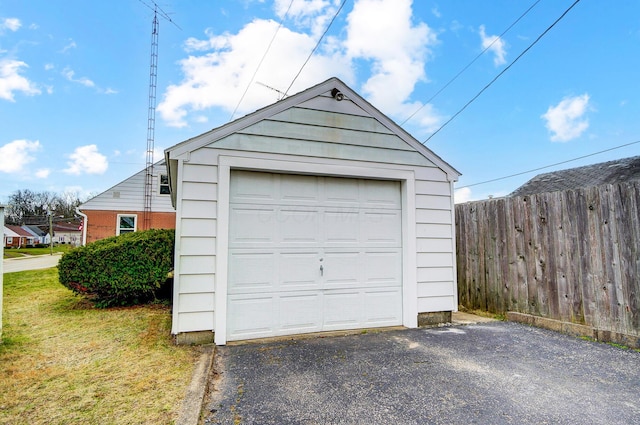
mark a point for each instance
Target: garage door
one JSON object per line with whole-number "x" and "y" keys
{"x": 310, "y": 254}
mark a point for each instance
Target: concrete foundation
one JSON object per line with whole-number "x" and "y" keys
{"x": 434, "y": 319}
{"x": 194, "y": 338}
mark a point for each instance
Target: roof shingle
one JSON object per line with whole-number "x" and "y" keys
{"x": 610, "y": 172}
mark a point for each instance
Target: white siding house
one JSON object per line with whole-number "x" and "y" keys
{"x": 315, "y": 213}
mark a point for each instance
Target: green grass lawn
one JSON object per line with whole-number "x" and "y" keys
{"x": 62, "y": 361}
{"x": 17, "y": 253}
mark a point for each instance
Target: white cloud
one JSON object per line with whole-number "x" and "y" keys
{"x": 14, "y": 156}
{"x": 219, "y": 77}
{"x": 462, "y": 195}
{"x": 87, "y": 160}
{"x": 565, "y": 120}
{"x": 382, "y": 39}
{"x": 383, "y": 32}
{"x": 11, "y": 24}
{"x": 69, "y": 74}
{"x": 495, "y": 44}
{"x": 43, "y": 173}
{"x": 11, "y": 81}
{"x": 313, "y": 14}
{"x": 72, "y": 45}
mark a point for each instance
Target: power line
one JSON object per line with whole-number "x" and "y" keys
{"x": 549, "y": 166}
{"x": 470, "y": 63}
{"x": 261, "y": 60}
{"x": 503, "y": 71}
{"x": 316, "y": 47}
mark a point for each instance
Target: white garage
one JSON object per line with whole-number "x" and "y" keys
{"x": 314, "y": 214}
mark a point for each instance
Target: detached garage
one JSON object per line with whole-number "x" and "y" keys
{"x": 316, "y": 213}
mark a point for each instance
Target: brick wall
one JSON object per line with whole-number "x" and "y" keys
{"x": 102, "y": 224}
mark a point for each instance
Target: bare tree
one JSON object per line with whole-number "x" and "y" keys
{"x": 28, "y": 207}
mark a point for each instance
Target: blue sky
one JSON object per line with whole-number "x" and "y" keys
{"x": 74, "y": 80}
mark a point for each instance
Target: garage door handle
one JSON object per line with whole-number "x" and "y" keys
{"x": 321, "y": 270}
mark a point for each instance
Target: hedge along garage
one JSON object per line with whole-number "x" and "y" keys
{"x": 315, "y": 213}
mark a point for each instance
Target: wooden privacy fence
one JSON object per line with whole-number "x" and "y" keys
{"x": 572, "y": 256}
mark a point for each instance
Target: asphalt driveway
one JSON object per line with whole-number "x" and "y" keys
{"x": 491, "y": 373}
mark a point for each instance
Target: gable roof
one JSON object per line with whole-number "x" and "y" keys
{"x": 128, "y": 194}
{"x": 10, "y": 233}
{"x": 34, "y": 229}
{"x": 610, "y": 172}
{"x": 19, "y": 231}
{"x": 362, "y": 107}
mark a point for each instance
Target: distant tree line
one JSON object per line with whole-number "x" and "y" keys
{"x": 29, "y": 207}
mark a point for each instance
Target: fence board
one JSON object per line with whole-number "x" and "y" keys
{"x": 571, "y": 256}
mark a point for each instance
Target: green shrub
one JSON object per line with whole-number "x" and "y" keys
{"x": 122, "y": 270}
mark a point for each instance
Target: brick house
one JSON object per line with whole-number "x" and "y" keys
{"x": 17, "y": 237}
{"x": 120, "y": 209}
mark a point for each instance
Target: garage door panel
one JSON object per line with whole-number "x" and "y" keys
{"x": 342, "y": 192}
{"x": 341, "y": 227}
{"x": 381, "y": 194}
{"x": 246, "y": 188}
{"x": 250, "y": 316}
{"x": 299, "y": 190}
{"x": 342, "y": 309}
{"x": 299, "y": 226}
{"x": 300, "y": 313}
{"x": 251, "y": 272}
{"x": 299, "y": 271}
{"x": 382, "y": 227}
{"x": 253, "y": 227}
{"x": 342, "y": 269}
{"x": 380, "y": 307}
{"x": 382, "y": 268}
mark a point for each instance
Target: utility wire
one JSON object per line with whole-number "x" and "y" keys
{"x": 315, "y": 48}
{"x": 470, "y": 63}
{"x": 549, "y": 166}
{"x": 261, "y": 60}
{"x": 502, "y": 72}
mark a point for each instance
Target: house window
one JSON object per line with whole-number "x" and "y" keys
{"x": 9, "y": 240}
{"x": 164, "y": 185}
{"x": 126, "y": 224}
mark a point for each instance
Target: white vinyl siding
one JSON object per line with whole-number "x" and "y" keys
{"x": 437, "y": 289}
{"x": 128, "y": 195}
{"x": 196, "y": 254}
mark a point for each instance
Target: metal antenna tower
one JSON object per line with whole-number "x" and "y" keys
{"x": 151, "y": 120}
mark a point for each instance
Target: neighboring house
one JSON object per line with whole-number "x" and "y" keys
{"x": 315, "y": 213}
{"x": 17, "y": 237}
{"x": 609, "y": 172}
{"x": 121, "y": 208}
{"x": 40, "y": 235}
{"x": 10, "y": 238}
{"x": 69, "y": 232}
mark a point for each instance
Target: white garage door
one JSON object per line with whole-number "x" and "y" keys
{"x": 310, "y": 254}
